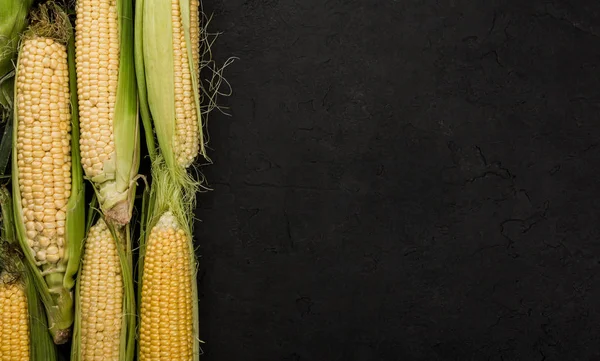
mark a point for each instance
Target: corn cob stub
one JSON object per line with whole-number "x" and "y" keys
{"x": 166, "y": 301}
{"x": 15, "y": 320}
{"x": 43, "y": 145}
{"x": 186, "y": 124}
{"x": 97, "y": 54}
{"x": 101, "y": 296}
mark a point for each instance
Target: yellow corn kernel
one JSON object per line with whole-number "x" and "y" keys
{"x": 43, "y": 145}
{"x": 101, "y": 296}
{"x": 14, "y": 332}
{"x": 166, "y": 301}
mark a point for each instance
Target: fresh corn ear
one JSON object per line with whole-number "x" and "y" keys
{"x": 47, "y": 178}
{"x": 105, "y": 322}
{"x": 167, "y": 65}
{"x": 108, "y": 103}
{"x": 24, "y": 330}
{"x": 168, "y": 308}
{"x": 12, "y": 22}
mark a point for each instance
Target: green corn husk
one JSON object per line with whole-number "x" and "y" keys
{"x": 41, "y": 347}
{"x": 55, "y": 283}
{"x": 12, "y": 22}
{"x": 115, "y": 186}
{"x": 122, "y": 236}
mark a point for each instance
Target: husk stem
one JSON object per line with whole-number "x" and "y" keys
{"x": 55, "y": 282}
{"x": 122, "y": 237}
{"x": 115, "y": 187}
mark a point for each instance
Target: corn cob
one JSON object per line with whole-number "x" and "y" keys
{"x": 48, "y": 193}
{"x": 168, "y": 76}
{"x": 43, "y": 145}
{"x": 107, "y": 103}
{"x": 166, "y": 303}
{"x": 105, "y": 324}
{"x": 15, "y": 320}
{"x": 101, "y": 296}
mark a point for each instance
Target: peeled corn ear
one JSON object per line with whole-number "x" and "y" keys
{"x": 108, "y": 103}
{"x": 167, "y": 298}
{"x": 47, "y": 178}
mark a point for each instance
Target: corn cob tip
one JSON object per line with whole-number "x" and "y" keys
{"x": 60, "y": 310}
{"x": 119, "y": 215}
{"x": 61, "y": 337}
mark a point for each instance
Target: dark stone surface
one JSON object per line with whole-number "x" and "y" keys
{"x": 404, "y": 180}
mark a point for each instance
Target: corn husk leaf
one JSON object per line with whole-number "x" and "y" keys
{"x": 12, "y": 22}
{"x": 141, "y": 81}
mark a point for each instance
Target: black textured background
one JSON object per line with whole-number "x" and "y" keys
{"x": 404, "y": 180}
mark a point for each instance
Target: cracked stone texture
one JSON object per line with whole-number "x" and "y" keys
{"x": 404, "y": 180}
